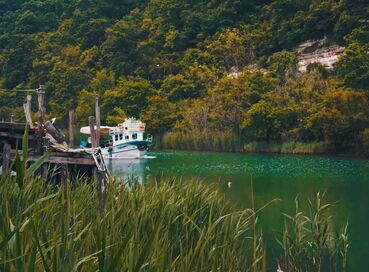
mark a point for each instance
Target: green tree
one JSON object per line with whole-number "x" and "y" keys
{"x": 353, "y": 67}
{"x": 131, "y": 94}
{"x": 160, "y": 115}
{"x": 341, "y": 119}
{"x": 283, "y": 64}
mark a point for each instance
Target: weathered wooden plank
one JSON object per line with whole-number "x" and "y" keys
{"x": 13, "y": 135}
{"x": 15, "y": 126}
{"x": 66, "y": 160}
{"x": 59, "y": 158}
{"x": 6, "y": 157}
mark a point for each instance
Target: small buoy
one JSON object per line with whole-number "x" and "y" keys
{"x": 279, "y": 269}
{"x": 229, "y": 184}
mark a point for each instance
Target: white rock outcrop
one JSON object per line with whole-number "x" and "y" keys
{"x": 315, "y": 51}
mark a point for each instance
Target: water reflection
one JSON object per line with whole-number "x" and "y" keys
{"x": 130, "y": 169}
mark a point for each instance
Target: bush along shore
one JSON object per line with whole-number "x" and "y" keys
{"x": 229, "y": 142}
{"x": 167, "y": 225}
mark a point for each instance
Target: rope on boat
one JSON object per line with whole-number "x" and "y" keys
{"x": 99, "y": 160}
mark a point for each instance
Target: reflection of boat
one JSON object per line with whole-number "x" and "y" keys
{"x": 123, "y": 141}
{"x": 129, "y": 169}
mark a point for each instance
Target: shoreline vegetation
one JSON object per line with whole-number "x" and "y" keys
{"x": 166, "y": 225}
{"x": 237, "y": 66}
{"x": 228, "y": 142}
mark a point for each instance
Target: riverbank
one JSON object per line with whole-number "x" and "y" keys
{"x": 215, "y": 141}
{"x": 228, "y": 142}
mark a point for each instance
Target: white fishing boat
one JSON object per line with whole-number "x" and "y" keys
{"x": 126, "y": 140}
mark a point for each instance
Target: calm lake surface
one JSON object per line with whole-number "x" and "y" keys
{"x": 344, "y": 180}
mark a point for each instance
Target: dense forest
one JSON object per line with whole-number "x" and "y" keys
{"x": 193, "y": 67}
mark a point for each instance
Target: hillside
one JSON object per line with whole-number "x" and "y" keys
{"x": 168, "y": 62}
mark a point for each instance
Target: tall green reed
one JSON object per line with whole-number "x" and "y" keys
{"x": 198, "y": 140}
{"x": 166, "y": 226}
{"x": 169, "y": 225}
{"x": 309, "y": 242}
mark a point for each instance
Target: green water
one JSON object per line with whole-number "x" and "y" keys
{"x": 345, "y": 181}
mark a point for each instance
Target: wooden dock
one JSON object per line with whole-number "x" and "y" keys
{"x": 43, "y": 136}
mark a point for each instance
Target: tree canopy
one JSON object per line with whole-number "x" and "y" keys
{"x": 178, "y": 64}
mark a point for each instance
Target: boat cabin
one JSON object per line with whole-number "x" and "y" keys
{"x": 128, "y": 132}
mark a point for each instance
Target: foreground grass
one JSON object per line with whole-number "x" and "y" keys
{"x": 162, "y": 226}
{"x": 156, "y": 227}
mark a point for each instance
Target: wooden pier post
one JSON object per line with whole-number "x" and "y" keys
{"x": 98, "y": 121}
{"x": 64, "y": 180}
{"x": 39, "y": 134}
{"x": 100, "y": 166}
{"x": 91, "y": 122}
{"x": 27, "y": 110}
{"x": 71, "y": 128}
{"x": 6, "y": 157}
{"x": 41, "y": 105}
{"x": 101, "y": 175}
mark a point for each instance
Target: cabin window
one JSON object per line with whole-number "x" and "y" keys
{"x": 127, "y": 137}
{"x": 134, "y": 136}
{"x": 120, "y": 136}
{"x": 116, "y": 137}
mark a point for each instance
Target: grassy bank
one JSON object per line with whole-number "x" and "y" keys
{"x": 215, "y": 141}
{"x": 169, "y": 225}
{"x": 229, "y": 142}
{"x": 315, "y": 148}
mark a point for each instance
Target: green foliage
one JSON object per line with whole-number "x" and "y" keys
{"x": 197, "y": 140}
{"x": 130, "y": 94}
{"x": 282, "y": 65}
{"x": 209, "y": 66}
{"x": 308, "y": 236}
{"x": 160, "y": 114}
{"x": 353, "y": 67}
{"x": 343, "y": 116}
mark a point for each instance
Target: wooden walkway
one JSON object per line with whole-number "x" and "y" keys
{"x": 43, "y": 136}
{"x": 12, "y": 134}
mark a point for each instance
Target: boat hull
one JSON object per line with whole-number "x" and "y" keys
{"x": 123, "y": 152}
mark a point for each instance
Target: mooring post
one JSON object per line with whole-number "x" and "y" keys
{"x": 98, "y": 121}
{"x": 27, "y": 110}
{"x": 64, "y": 180}
{"x": 41, "y": 105}
{"x": 39, "y": 134}
{"x": 6, "y": 157}
{"x": 101, "y": 175}
{"x": 71, "y": 128}
{"x": 91, "y": 122}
